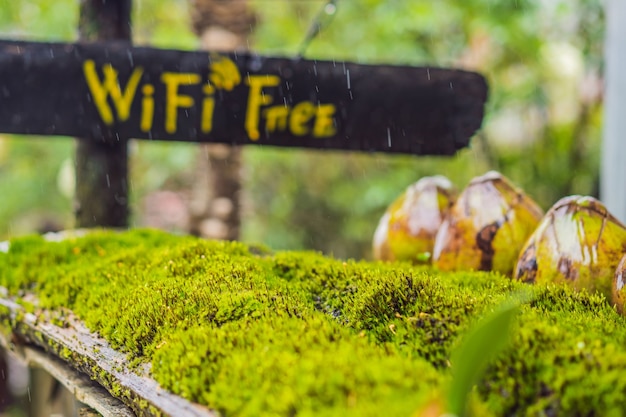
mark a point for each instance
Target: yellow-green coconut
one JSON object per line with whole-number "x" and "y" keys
{"x": 486, "y": 227}
{"x": 578, "y": 243}
{"x": 407, "y": 229}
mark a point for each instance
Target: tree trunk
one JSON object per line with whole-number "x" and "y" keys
{"x": 102, "y": 167}
{"x": 223, "y": 25}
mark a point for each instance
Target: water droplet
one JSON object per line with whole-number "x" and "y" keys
{"x": 255, "y": 63}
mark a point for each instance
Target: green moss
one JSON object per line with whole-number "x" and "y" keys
{"x": 250, "y": 332}
{"x": 291, "y": 366}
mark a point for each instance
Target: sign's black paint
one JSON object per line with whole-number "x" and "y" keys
{"x": 109, "y": 91}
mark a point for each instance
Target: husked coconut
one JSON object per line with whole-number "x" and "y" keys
{"x": 486, "y": 227}
{"x": 578, "y": 242}
{"x": 407, "y": 229}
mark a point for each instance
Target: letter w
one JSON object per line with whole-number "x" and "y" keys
{"x": 110, "y": 86}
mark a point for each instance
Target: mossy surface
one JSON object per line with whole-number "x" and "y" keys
{"x": 251, "y": 333}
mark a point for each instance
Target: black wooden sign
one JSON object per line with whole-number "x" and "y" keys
{"x": 109, "y": 91}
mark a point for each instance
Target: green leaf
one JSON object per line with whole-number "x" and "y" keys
{"x": 480, "y": 346}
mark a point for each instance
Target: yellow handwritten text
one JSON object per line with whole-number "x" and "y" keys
{"x": 300, "y": 116}
{"x": 174, "y": 100}
{"x": 110, "y": 87}
{"x": 256, "y": 99}
{"x": 175, "y": 92}
{"x": 324, "y": 125}
{"x": 302, "y": 119}
{"x": 147, "y": 108}
{"x": 208, "y": 106}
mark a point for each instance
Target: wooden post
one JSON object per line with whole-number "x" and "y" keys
{"x": 102, "y": 166}
{"x": 613, "y": 169}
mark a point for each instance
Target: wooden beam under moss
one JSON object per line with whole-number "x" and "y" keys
{"x": 81, "y": 386}
{"x": 91, "y": 358}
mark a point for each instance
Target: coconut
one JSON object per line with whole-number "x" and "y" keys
{"x": 618, "y": 295}
{"x": 486, "y": 227}
{"x": 578, "y": 242}
{"x": 407, "y": 229}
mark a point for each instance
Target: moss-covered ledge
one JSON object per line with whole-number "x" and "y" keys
{"x": 248, "y": 332}
{"x": 91, "y": 356}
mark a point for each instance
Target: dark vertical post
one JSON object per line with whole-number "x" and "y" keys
{"x": 102, "y": 166}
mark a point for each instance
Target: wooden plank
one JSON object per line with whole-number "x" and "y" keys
{"x": 111, "y": 90}
{"x": 92, "y": 356}
{"x": 84, "y": 389}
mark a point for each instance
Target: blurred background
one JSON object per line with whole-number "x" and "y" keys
{"x": 543, "y": 60}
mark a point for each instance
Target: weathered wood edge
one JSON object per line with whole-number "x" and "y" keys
{"x": 92, "y": 356}
{"x": 84, "y": 389}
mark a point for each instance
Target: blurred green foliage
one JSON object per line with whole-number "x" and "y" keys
{"x": 35, "y": 182}
{"x": 543, "y": 60}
